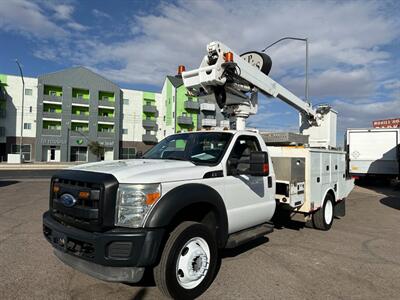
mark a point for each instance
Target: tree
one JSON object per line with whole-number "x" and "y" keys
{"x": 96, "y": 148}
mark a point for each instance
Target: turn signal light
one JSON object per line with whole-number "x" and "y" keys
{"x": 181, "y": 69}
{"x": 84, "y": 195}
{"x": 152, "y": 198}
{"x": 228, "y": 57}
{"x": 56, "y": 188}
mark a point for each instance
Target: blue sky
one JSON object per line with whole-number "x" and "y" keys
{"x": 354, "y": 46}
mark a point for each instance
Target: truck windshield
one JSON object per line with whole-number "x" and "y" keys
{"x": 198, "y": 148}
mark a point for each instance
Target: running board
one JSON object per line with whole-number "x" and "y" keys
{"x": 247, "y": 235}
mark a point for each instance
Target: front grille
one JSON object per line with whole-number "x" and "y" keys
{"x": 93, "y": 213}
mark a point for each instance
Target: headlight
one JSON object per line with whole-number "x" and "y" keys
{"x": 134, "y": 202}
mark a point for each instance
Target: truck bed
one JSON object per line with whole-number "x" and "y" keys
{"x": 305, "y": 175}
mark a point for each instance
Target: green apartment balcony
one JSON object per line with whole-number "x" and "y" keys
{"x": 106, "y": 115}
{"x": 184, "y": 120}
{"x": 80, "y": 96}
{"x": 149, "y": 123}
{"x": 191, "y": 105}
{"x": 52, "y": 93}
{"x": 106, "y": 99}
{"x": 79, "y": 129}
{"x": 53, "y": 111}
{"x": 105, "y": 130}
{"x": 51, "y": 127}
{"x": 80, "y": 113}
{"x": 149, "y": 138}
{"x": 149, "y": 108}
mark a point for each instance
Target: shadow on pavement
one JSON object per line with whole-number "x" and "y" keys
{"x": 392, "y": 202}
{"x": 140, "y": 294}
{"x": 7, "y": 182}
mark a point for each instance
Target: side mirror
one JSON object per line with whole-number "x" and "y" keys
{"x": 259, "y": 165}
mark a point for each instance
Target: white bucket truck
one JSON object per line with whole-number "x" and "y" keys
{"x": 195, "y": 193}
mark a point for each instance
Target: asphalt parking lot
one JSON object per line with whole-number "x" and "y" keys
{"x": 359, "y": 258}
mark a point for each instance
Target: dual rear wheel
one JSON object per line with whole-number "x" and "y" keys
{"x": 323, "y": 218}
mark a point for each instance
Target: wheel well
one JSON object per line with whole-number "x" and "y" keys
{"x": 332, "y": 193}
{"x": 203, "y": 213}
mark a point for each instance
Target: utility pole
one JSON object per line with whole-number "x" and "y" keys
{"x": 22, "y": 113}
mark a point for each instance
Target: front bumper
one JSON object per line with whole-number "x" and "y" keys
{"x": 115, "y": 255}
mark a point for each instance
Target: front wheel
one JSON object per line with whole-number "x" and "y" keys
{"x": 323, "y": 218}
{"x": 188, "y": 262}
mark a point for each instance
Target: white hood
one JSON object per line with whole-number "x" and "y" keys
{"x": 147, "y": 170}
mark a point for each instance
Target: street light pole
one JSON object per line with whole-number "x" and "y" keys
{"x": 296, "y": 39}
{"x": 22, "y": 112}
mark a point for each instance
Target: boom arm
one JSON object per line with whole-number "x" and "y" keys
{"x": 238, "y": 78}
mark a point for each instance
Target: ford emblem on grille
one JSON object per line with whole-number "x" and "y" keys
{"x": 68, "y": 200}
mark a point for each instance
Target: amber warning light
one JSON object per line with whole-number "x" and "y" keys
{"x": 228, "y": 57}
{"x": 181, "y": 69}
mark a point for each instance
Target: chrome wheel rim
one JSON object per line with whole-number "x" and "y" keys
{"x": 328, "y": 214}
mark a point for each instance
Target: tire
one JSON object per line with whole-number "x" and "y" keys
{"x": 323, "y": 218}
{"x": 188, "y": 262}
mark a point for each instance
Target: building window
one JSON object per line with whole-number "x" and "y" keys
{"x": 128, "y": 153}
{"x": 28, "y": 126}
{"x": 26, "y": 151}
{"x": 53, "y": 93}
{"x": 30, "y": 109}
{"x": 164, "y": 118}
{"x": 124, "y": 131}
{"x": 126, "y": 101}
{"x": 79, "y": 96}
{"x": 165, "y": 132}
{"x": 28, "y": 92}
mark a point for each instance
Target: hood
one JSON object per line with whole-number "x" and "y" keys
{"x": 147, "y": 170}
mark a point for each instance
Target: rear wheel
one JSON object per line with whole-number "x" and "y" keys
{"x": 323, "y": 218}
{"x": 188, "y": 262}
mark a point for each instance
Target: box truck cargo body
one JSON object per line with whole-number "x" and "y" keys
{"x": 373, "y": 152}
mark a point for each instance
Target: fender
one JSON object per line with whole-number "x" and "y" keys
{"x": 183, "y": 196}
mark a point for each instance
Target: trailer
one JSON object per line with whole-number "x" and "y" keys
{"x": 373, "y": 152}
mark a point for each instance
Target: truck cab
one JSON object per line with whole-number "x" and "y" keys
{"x": 196, "y": 191}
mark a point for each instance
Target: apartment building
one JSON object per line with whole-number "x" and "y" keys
{"x": 65, "y": 111}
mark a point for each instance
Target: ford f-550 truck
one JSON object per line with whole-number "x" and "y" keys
{"x": 196, "y": 192}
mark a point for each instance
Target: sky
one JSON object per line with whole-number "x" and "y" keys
{"x": 354, "y": 47}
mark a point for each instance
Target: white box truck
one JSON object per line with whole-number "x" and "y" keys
{"x": 373, "y": 152}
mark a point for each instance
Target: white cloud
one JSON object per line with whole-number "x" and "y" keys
{"x": 62, "y": 11}
{"x": 100, "y": 14}
{"x": 28, "y": 18}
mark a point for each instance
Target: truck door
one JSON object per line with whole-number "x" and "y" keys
{"x": 249, "y": 199}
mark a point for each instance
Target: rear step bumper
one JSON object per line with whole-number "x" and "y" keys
{"x": 238, "y": 238}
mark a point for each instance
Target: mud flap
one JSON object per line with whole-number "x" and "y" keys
{"x": 340, "y": 209}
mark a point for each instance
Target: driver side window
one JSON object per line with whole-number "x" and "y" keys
{"x": 239, "y": 158}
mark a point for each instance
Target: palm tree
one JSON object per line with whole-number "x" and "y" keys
{"x": 96, "y": 148}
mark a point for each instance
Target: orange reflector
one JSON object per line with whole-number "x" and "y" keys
{"x": 228, "y": 57}
{"x": 84, "y": 195}
{"x": 152, "y": 198}
{"x": 265, "y": 168}
{"x": 181, "y": 69}
{"x": 56, "y": 188}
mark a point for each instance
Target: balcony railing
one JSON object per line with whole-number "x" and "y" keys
{"x": 209, "y": 122}
{"x": 80, "y": 101}
{"x": 149, "y": 123}
{"x": 149, "y": 109}
{"x": 46, "y": 131}
{"x": 149, "y": 138}
{"x": 207, "y": 106}
{"x": 52, "y": 114}
{"x": 183, "y": 120}
{"x": 106, "y": 103}
{"x": 106, "y": 118}
{"x": 79, "y": 117}
{"x": 52, "y": 98}
{"x": 191, "y": 105}
{"x": 105, "y": 134}
{"x": 81, "y": 133}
